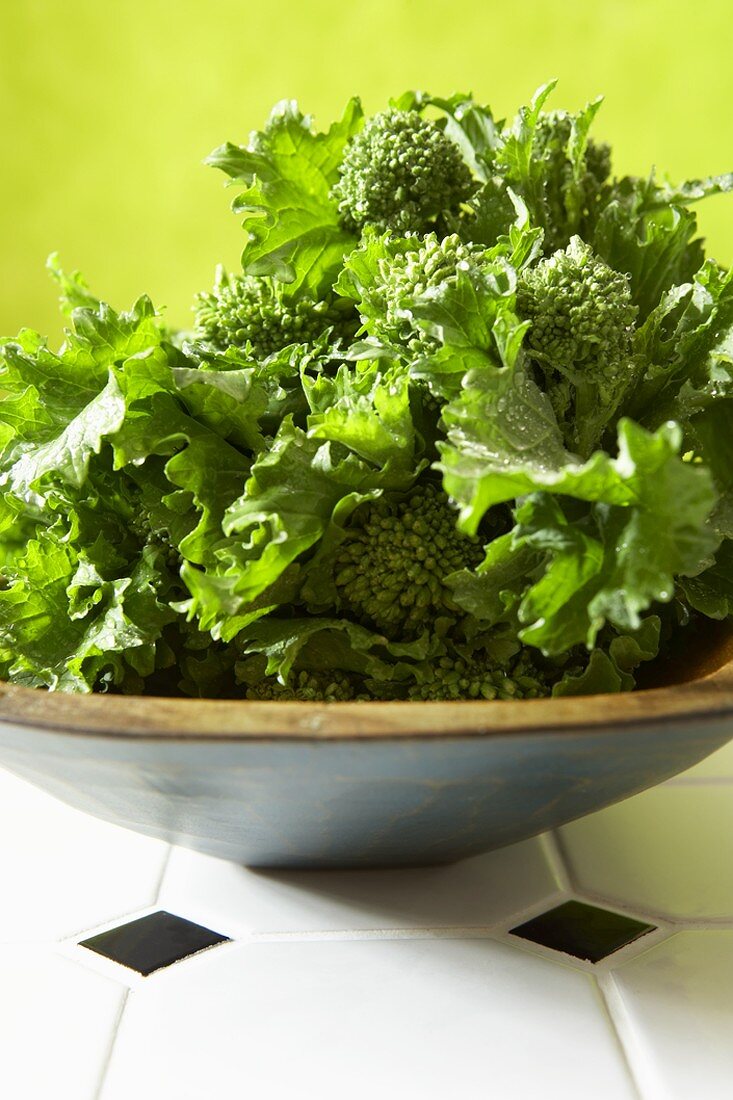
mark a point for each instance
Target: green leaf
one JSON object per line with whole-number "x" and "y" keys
{"x": 647, "y": 525}
{"x": 611, "y": 669}
{"x": 656, "y": 248}
{"x": 687, "y": 342}
{"x": 443, "y": 371}
{"x": 657, "y": 196}
{"x": 546, "y": 159}
{"x": 462, "y": 313}
{"x": 599, "y": 677}
{"x": 711, "y": 593}
{"x": 334, "y": 644}
{"x": 503, "y": 441}
{"x": 362, "y": 275}
{"x": 286, "y": 506}
{"x": 369, "y": 413}
{"x": 68, "y": 455}
{"x": 492, "y": 212}
{"x": 62, "y": 625}
{"x": 74, "y": 290}
{"x": 515, "y": 157}
{"x": 492, "y": 592}
{"x": 203, "y": 464}
{"x": 710, "y": 433}
{"x": 44, "y": 391}
{"x": 292, "y": 223}
{"x": 629, "y": 650}
{"x": 557, "y": 607}
{"x": 574, "y": 193}
{"x": 229, "y": 403}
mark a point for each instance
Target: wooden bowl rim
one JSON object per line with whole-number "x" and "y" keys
{"x": 707, "y": 699}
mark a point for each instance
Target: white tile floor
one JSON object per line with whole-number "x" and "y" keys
{"x": 395, "y": 983}
{"x": 67, "y": 871}
{"x": 363, "y": 1019}
{"x": 652, "y": 859}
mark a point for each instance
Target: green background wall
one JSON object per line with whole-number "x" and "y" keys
{"x": 106, "y": 111}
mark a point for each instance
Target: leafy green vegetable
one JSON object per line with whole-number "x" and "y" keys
{"x": 402, "y": 173}
{"x": 458, "y": 429}
{"x": 293, "y": 224}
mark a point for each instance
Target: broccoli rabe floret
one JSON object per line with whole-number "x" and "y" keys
{"x": 307, "y": 687}
{"x": 244, "y": 309}
{"x": 432, "y": 262}
{"x": 551, "y": 145}
{"x": 581, "y": 309}
{"x": 390, "y": 570}
{"x": 400, "y": 173}
{"x": 478, "y": 677}
{"x": 142, "y": 527}
{"x": 581, "y": 336}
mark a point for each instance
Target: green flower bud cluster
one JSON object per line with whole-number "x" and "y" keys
{"x": 306, "y": 687}
{"x": 143, "y": 530}
{"x": 581, "y": 311}
{"x": 400, "y": 173}
{"x": 597, "y": 163}
{"x": 409, "y": 274}
{"x": 476, "y": 678}
{"x": 245, "y": 309}
{"x": 390, "y": 570}
{"x": 552, "y": 136}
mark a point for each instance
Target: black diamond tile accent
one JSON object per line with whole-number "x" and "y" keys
{"x": 152, "y": 942}
{"x": 584, "y": 931}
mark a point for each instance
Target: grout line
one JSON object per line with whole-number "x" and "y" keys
{"x": 613, "y": 1009}
{"x": 660, "y": 918}
{"x": 455, "y": 932}
{"x": 641, "y": 1069}
{"x": 561, "y": 866}
{"x": 628, "y": 908}
{"x": 496, "y": 929}
{"x": 123, "y": 1004}
{"x": 556, "y": 860}
{"x": 111, "y": 1046}
{"x": 125, "y": 915}
{"x": 701, "y": 924}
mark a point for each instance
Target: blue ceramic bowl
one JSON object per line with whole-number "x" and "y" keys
{"x": 359, "y": 784}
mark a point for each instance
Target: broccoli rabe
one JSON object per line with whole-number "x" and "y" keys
{"x": 456, "y": 429}
{"x": 390, "y": 570}
{"x": 581, "y": 335}
{"x": 478, "y": 677}
{"x": 307, "y": 687}
{"x": 143, "y": 529}
{"x": 551, "y": 147}
{"x": 401, "y": 172}
{"x": 428, "y": 264}
{"x": 245, "y": 309}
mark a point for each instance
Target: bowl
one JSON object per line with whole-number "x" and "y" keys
{"x": 363, "y": 784}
